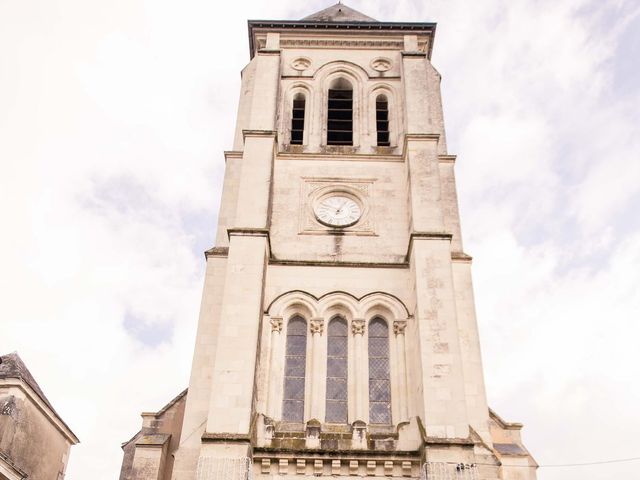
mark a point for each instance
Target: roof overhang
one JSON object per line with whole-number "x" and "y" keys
{"x": 44, "y": 407}
{"x": 361, "y": 27}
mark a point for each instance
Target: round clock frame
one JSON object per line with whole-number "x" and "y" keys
{"x": 338, "y": 209}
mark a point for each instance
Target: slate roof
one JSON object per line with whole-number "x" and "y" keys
{"x": 12, "y": 366}
{"x": 338, "y": 13}
{"x": 510, "y": 449}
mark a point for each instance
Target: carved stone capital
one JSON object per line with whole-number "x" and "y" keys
{"x": 316, "y": 325}
{"x": 399, "y": 327}
{"x": 358, "y": 326}
{"x": 276, "y": 324}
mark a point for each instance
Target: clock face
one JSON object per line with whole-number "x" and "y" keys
{"x": 337, "y": 211}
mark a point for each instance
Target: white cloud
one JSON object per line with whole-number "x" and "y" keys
{"x": 114, "y": 119}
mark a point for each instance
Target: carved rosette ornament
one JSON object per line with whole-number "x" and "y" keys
{"x": 316, "y": 325}
{"x": 357, "y": 327}
{"x": 301, "y": 64}
{"x": 276, "y": 324}
{"x": 381, "y": 64}
{"x": 399, "y": 327}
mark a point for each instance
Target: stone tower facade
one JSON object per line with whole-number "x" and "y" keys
{"x": 337, "y": 335}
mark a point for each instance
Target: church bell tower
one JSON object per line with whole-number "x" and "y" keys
{"x": 337, "y": 336}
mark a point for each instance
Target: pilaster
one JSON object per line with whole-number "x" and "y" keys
{"x": 443, "y": 403}
{"x": 197, "y": 404}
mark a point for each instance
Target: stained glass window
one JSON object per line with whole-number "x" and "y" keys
{"x": 379, "y": 382}
{"x": 337, "y": 385}
{"x": 294, "y": 370}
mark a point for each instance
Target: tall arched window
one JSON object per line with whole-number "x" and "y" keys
{"x": 382, "y": 121}
{"x": 337, "y": 385}
{"x": 294, "y": 370}
{"x": 379, "y": 382}
{"x": 340, "y": 113}
{"x": 297, "y": 119}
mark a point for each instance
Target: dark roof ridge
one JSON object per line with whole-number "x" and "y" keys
{"x": 12, "y": 366}
{"x": 339, "y": 13}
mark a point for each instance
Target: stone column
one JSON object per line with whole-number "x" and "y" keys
{"x": 399, "y": 327}
{"x": 275, "y": 367}
{"x": 358, "y": 329}
{"x": 316, "y": 328}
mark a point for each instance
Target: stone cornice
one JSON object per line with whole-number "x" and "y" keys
{"x": 40, "y": 405}
{"x": 414, "y": 54}
{"x": 363, "y": 157}
{"x": 269, "y": 51}
{"x": 153, "y": 440}
{"x": 503, "y": 423}
{"x": 383, "y": 28}
{"x": 342, "y": 264}
{"x": 425, "y": 236}
{"x": 461, "y": 257}
{"x": 329, "y": 453}
{"x": 421, "y": 137}
{"x": 247, "y": 232}
{"x": 232, "y": 154}
{"x": 222, "y": 252}
{"x": 258, "y": 133}
{"x": 447, "y": 158}
{"x": 304, "y": 76}
{"x": 226, "y": 438}
{"x": 448, "y": 441}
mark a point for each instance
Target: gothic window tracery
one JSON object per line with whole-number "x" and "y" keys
{"x": 337, "y": 377}
{"x": 295, "y": 369}
{"x": 332, "y": 358}
{"x": 379, "y": 378}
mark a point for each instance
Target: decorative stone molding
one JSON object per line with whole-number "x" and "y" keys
{"x": 358, "y": 327}
{"x": 390, "y": 465}
{"x": 316, "y": 325}
{"x": 301, "y": 64}
{"x": 343, "y": 43}
{"x": 399, "y": 326}
{"x": 276, "y": 324}
{"x": 381, "y": 64}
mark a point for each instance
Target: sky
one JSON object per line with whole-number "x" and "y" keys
{"x": 113, "y": 119}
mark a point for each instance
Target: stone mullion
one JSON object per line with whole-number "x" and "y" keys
{"x": 399, "y": 327}
{"x": 361, "y": 373}
{"x": 315, "y": 397}
{"x": 275, "y": 367}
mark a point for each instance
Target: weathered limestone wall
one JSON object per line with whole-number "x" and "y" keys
{"x": 197, "y": 404}
{"x": 28, "y": 436}
{"x": 382, "y": 234}
{"x": 147, "y": 456}
{"x": 403, "y": 260}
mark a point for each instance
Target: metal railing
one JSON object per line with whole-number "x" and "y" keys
{"x": 211, "y": 468}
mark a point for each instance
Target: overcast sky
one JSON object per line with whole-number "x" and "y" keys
{"x": 113, "y": 119}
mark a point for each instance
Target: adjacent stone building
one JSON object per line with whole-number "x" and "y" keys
{"x": 34, "y": 440}
{"x": 337, "y": 335}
